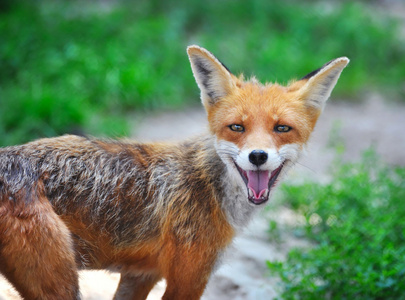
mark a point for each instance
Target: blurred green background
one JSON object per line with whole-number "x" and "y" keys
{"x": 88, "y": 66}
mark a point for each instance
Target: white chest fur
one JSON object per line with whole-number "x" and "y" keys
{"x": 236, "y": 205}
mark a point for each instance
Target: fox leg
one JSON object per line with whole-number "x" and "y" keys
{"x": 188, "y": 273}
{"x": 135, "y": 287}
{"x": 36, "y": 252}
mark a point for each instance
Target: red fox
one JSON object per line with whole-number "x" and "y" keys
{"x": 152, "y": 211}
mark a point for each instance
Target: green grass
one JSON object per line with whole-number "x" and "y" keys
{"x": 357, "y": 225}
{"x": 77, "y": 66}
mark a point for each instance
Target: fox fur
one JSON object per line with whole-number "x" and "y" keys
{"x": 152, "y": 211}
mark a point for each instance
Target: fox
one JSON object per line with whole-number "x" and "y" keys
{"x": 153, "y": 211}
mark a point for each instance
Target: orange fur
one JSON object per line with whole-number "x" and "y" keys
{"x": 250, "y": 105}
{"x": 36, "y": 249}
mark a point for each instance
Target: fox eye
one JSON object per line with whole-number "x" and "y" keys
{"x": 237, "y": 127}
{"x": 282, "y": 128}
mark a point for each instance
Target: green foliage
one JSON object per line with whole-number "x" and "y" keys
{"x": 83, "y": 66}
{"x": 358, "y": 227}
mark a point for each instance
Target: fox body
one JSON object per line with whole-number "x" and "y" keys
{"x": 152, "y": 211}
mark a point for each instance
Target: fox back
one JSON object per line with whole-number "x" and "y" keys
{"x": 152, "y": 211}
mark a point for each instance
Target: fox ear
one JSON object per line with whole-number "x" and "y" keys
{"x": 320, "y": 83}
{"x": 213, "y": 78}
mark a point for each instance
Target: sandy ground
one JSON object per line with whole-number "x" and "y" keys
{"x": 243, "y": 274}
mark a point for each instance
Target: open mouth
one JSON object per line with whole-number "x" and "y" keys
{"x": 259, "y": 183}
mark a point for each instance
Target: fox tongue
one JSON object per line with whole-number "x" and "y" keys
{"x": 258, "y": 182}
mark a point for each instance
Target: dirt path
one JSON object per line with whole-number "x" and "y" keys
{"x": 243, "y": 274}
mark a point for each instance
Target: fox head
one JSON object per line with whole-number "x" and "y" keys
{"x": 260, "y": 130}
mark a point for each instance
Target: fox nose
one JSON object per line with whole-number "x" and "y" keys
{"x": 258, "y": 157}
